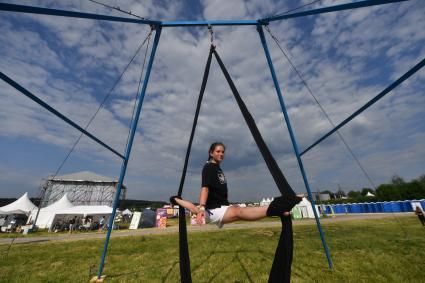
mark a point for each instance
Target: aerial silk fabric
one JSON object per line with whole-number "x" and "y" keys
{"x": 185, "y": 274}
{"x": 281, "y": 268}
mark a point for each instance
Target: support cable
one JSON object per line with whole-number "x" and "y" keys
{"x": 103, "y": 103}
{"x": 90, "y": 121}
{"x": 321, "y": 108}
{"x": 117, "y": 8}
{"x": 138, "y": 87}
{"x": 294, "y": 9}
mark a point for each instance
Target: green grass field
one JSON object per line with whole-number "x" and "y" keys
{"x": 384, "y": 250}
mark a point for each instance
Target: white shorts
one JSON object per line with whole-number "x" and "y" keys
{"x": 216, "y": 215}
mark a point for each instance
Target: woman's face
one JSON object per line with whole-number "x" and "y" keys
{"x": 217, "y": 154}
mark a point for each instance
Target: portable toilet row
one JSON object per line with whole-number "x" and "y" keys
{"x": 373, "y": 207}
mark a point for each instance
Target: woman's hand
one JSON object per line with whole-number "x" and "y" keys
{"x": 200, "y": 218}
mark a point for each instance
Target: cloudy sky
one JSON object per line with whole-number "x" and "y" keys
{"x": 346, "y": 58}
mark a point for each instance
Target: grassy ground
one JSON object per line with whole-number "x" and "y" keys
{"x": 383, "y": 250}
{"x": 123, "y": 227}
{"x": 45, "y": 232}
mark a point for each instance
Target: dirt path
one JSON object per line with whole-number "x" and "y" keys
{"x": 175, "y": 229}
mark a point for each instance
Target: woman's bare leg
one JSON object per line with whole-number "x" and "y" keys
{"x": 234, "y": 213}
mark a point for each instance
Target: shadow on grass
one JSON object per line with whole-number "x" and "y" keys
{"x": 300, "y": 272}
{"x": 235, "y": 258}
{"x": 134, "y": 272}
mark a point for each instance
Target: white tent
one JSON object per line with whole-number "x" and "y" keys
{"x": 22, "y": 205}
{"x": 47, "y": 214}
{"x": 16, "y": 211}
{"x": 305, "y": 209}
{"x": 81, "y": 211}
{"x": 369, "y": 194}
{"x": 127, "y": 212}
{"x": 265, "y": 201}
{"x": 85, "y": 210}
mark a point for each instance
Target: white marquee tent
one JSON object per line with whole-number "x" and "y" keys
{"x": 305, "y": 209}
{"x": 23, "y": 205}
{"x": 64, "y": 209}
{"x": 85, "y": 210}
{"x": 47, "y": 214}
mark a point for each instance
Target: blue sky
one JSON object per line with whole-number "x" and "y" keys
{"x": 346, "y": 58}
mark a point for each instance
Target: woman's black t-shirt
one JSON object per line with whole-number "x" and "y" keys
{"x": 214, "y": 179}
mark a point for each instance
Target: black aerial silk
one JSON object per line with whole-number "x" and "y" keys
{"x": 281, "y": 268}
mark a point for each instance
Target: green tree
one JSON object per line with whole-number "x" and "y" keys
{"x": 397, "y": 180}
{"x": 354, "y": 194}
{"x": 387, "y": 192}
{"x": 340, "y": 193}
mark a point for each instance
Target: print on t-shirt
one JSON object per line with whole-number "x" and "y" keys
{"x": 221, "y": 177}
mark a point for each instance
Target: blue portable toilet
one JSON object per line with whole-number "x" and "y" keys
{"x": 355, "y": 208}
{"x": 395, "y": 205}
{"x": 328, "y": 209}
{"x": 401, "y": 205}
{"x": 376, "y": 208}
{"x": 407, "y": 206}
{"x": 369, "y": 207}
{"x": 362, "y": 207}
{"x": 339, "y": 208}
{"x": 348, "y": 207}
{"x": 373, "y": 207}
{"x": 365, "y": 207}
{"x": 379, "y": 208}
{"x": 386, "y": 207}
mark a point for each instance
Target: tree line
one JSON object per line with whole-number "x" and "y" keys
{"x": 397, "y": 189}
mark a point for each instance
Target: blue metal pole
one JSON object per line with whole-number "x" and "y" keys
{"x": 404, "y": 77}
{"x": 209, "y": 23}
{"x": 71, "y": 14}
{"x": 129, "y": 146}
{"x": 294, "y": 142}
{"x": 349, "y": 6}
{"x": 49, "y": 108}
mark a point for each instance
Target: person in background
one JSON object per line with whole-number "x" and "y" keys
{"x": 72, "y": 224}
{"x": 101, "y": 223}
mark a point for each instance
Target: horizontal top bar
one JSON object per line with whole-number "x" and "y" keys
{"x": 212, "y": 23}
{"x": 64, "y": 13}
{"x": 349, "y": 6}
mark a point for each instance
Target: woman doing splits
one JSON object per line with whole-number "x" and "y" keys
{"x": 214, "y": 206}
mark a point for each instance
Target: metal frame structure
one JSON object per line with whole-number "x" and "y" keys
{"x": 158, "y": 25}
{"x": 81, "y": 192}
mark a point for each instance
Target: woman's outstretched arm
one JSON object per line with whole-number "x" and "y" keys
{"x": 187, "y": 204}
